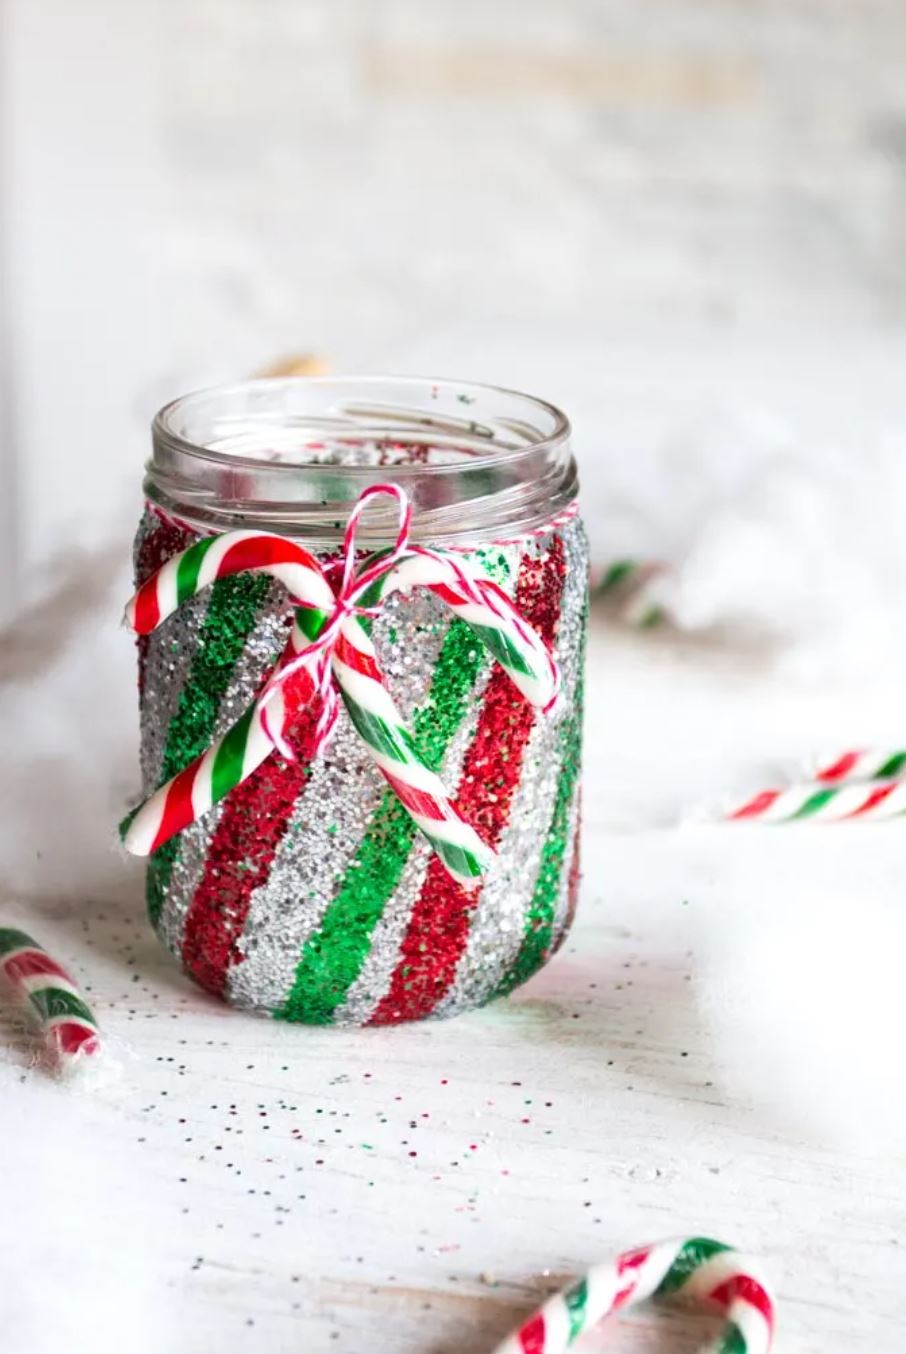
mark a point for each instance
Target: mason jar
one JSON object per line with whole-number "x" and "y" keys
{"x": 308, "y": 892}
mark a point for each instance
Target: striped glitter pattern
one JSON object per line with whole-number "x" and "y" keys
{"x": 333, "y": 957}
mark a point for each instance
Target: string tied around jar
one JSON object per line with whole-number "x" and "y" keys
{"x": 329, "y": 655}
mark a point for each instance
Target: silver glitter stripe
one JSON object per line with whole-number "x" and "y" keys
{"x": 562, "y": 910}
{"x": 373, "y": 982}
{"x": 265, "y": 642}
{"x": 169, "y": 658}
{"x": 498, "y": 923}
{"x": 332, "y": 815}
{"x": 185, "y": 876}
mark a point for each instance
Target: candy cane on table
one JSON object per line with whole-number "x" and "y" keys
{"x": 46, "y": 991}
{"x": 859, "y": 764}
{"x": 328, "y": 643}
{"x": 637, "y": 583}
{"x": 819, "y": 802}
{"x": 707, "y": 1271}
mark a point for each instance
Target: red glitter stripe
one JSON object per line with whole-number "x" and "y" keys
{"x": 254, "y": 820}
{"x": 439, "y": 925}
{"x": 877, "y": 796}
{"x": 532, "y": 1335}
{"x": 743, "y": 1286}
{"x": 760, "y": 804}
{"x": 33, "y": 964}
{"x": 258, "y": 554}
{"x": 178, "y": 812}
{"x": 840, "y": 768}
{"x": 71, "y": 1036}
{"x": 416, "y": 801}
{"x": 354, "y": 658}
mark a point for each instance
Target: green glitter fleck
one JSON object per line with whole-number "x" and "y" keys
{"x": 232, "y": 610}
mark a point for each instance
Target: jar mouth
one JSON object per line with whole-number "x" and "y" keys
{"x": 292, "y": 454}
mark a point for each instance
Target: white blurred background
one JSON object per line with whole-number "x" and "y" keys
{"x": 646, "y": 210}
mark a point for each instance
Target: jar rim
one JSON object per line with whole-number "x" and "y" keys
{"x": 163, "y": 432}
{"x": 283, "y": 454}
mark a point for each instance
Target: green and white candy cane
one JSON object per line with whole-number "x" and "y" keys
{"x": 330, "y": 649}
{"x": 695, "y": 1268}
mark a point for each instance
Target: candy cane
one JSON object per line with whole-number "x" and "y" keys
{"x": 328, "y": 641}
{"x": 44, "y": 988}
{"x": 636, "y": 582}
{"x": 707, "y": 1271}
{"x": 859, "y": 764}
{"x": 874, "y": 800}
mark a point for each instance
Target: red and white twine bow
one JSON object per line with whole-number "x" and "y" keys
{"x": 329, "y": 651}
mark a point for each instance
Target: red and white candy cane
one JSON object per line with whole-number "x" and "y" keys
{"x": 859, "y": 764}
{"x": 696, "y": 1268}
{"x": 818, "y": 802}
{"x": 46, "y": 991}
{"x": 328, "y": 649}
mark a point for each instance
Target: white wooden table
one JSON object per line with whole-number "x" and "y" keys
{"x": 248, "y": 1186}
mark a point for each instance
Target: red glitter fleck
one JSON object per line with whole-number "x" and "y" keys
{"x": 439, "y": 925}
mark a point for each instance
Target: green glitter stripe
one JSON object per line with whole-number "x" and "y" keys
{"x": 188, "y": 569}
{"x": 227, "y": 769}
{"x": 503, "y": 649}
{"x": 892, "y": 767}
{"x": 54, "y": 1001}
{"x": 576, "y": 1299}
{"x": 732, "y": 1341}
{"x": 11, "y": 939}
{"x": 232, "y": 611}
{"x": 697, "y": 1251}
{"x": 333, "y": 957}
{"x": 813, "y": 804}
{"x": 539, "y": 923}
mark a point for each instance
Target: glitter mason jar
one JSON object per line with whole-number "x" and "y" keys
{"x": 307, "y": 892}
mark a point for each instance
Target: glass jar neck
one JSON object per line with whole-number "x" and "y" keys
{"x": 293, "y": 455}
